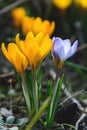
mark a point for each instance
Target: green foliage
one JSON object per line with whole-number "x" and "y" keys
{"x": 54, "y": 101}
{"x": 29, "y": 85}
{"x": 81, "y": 70}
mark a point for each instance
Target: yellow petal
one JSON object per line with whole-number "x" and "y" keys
{"x": 5, "y": 52}
{"x": 29, "y": 35}
{"x": 52, "y": 27}
{"x": 37, "y": 25}
{"x": 31, "y": 48}
{"x": 20, "y": 43}
{"x": 21, "y": 62}
{"x": 46, "y": 46}
{"x": 45, "y": 26}
{"x": 37, "y": 59}
{"x": 39, "y": 37}
{"x": 12, "y": 50}
{"x": 17, "y": 39}
{"x": 44, "y": 49}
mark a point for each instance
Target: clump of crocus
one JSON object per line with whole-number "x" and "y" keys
{"x": 17, "y": 16}
{"x": 30, "y": 51}
{"x": 62, "y": 4}
{"x": 35, "y": 48}
{"x": 15, "y": 57}
{"x": 37, "y": 25}
{"x": 62, "y": 50}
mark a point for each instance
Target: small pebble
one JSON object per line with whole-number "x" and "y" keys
{"x": 10, "y": 119}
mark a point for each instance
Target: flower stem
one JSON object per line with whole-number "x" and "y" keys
{"x": 35, "y": 92}
{"x": 54, "y": 100}
{"x": 26, "y": 95}
{"x": 57, "y": 75}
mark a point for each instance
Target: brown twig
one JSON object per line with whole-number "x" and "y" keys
{"x": 11, "y": 6}
{"x": 81, "y": 47}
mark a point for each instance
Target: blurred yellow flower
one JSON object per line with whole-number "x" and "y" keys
{"x": 37, "y": 25}
{"x": 27, "y": 24}
{"x": 44, "y": 26}
{"x": 17, "y": 15}
{"x": 81, "y": 3}
{"x": 15, "y": 57}
{"x": 62, "y": 4}
{"x": 36, "y": 48}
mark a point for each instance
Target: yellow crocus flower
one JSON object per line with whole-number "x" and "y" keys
{"x": 37, "y": 25}
{"x": 15, "y": 57}
{"x": 35, "y": 48}
{"x": 81, "y": 3}
{"x": 62, "y": 4}
{"x": 17, "y": 15}
{"x": 44, "y": 26}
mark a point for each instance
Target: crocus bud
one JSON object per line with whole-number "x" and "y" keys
{"x": 62, "y": 50}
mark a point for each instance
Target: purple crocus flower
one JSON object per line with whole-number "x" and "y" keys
{"x": 62, "y": 50}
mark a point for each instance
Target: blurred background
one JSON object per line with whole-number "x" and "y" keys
{"x": 70, "y": 17}
{"x": 69, "y": 21}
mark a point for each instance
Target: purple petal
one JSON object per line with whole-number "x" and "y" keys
{"x": 66, "y": 45}
{"x": 72, "y": 51}
{"x": 57, "y": 44}
{"x": 61, "y": 54}
{"x": 74, "y": 47}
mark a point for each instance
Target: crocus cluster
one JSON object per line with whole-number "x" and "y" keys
{"x": 31, "y": 51}
{"x": 34, "y": 49}
{"x": 36, "y": 25}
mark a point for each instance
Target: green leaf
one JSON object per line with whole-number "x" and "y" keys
{"x": 38, "y": 114}
{"x": 54, "y": 101}
{"x": 49, "y": 88}
{"x": 81, "y": 70}
{"x": 28, "y": 80}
